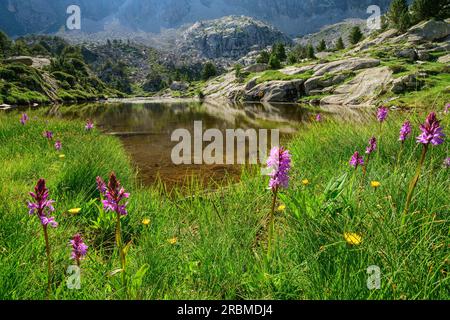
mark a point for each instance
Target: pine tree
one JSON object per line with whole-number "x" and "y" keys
{"x": 427, "y": 9}
{"x": 263, "y": 57}
{"x": 238, "y": 71}
{"x": 322, "y": 46}
{"x": 398, "y": 15}
{"x": 292, "y": 58}
{"x": 310, "y": 52}
{"x": 355, "y": 35}
{"x": 279, "y": 50}
{"x": 274, "y": 62}
{"x": 5, "y": 44}
{"x": 209, "y": 71}
{"x": 340, "y": 44}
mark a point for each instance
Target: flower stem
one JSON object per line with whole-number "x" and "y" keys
{"x": 272, "y": 222}
{"x": 120, "y": 248}
{"x": 399, "y": 156}
{"x": 49, "y": 263}
{"x": 413, "y": 183}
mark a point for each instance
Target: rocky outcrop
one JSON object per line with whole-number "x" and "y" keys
{"x": 225, "y": 86}
{"x": 315, "y": 85}
{"x": 444, "y": 59}
{"x": 351, "y": 64}
{"x": 179, "y": 86}
{"x": 276, "y": 91}
{"x": 35, "y": 62}
{"x": 230, "y": 37}
{"x": 362, "y": 90}
{"x": 408, "y": 53}
{"x": 257, "y": 67}
{"x": 407, "y": 83}
{"x": 429, "y": 31}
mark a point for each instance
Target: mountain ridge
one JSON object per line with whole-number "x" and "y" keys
{"x": 292, "y": 17}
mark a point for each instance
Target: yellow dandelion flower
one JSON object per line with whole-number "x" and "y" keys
{"x": 375, "y": 184}
{"x": 353, "y": 239}
{"x": 305, "y": 182}
{"x": 173, "y": 240}
{"x": 62, "y": 156}
{"x": 146, "y": 222}
{"x": 281, "y": 207}
{"x": 75, "y": 210}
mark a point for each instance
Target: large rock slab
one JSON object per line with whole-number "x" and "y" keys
{"x": 351, "y": 64}
{"x": 179, "y": 86}
{"x": 226, "y": 86}
{"x": 276, "y": 91}
{"x": 291, "y": 70}
{"x": 257, "y": 67}
{"x": 35, "y": 62}
{"x": 362, "y": 90}
{"x": 429, "y": 31}
{"x": 410, "y": 82}
{"x": 444, "y": 59}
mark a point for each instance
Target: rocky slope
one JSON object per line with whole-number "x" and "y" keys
{"x": 384, "y": 67}
{"x": 228, "y": 38}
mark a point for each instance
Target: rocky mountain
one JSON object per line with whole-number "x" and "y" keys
{"x": 293, "y": 17}
{"x": 229, "y": 37}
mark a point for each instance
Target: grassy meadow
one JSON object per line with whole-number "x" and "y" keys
{"x": 214, "y": 246}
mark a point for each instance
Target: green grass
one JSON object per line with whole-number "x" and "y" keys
{"x": 221, "y": 247}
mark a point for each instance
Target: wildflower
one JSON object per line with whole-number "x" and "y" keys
{"x": 431, "y": 131}
{"x": 318, "y": 117}
{"x": 372, "y": 145}
{"x": 173, "y": 240}
{"x": 114, "y": 196}
{"x": 281, "y": 208}
{"x": 405, "y": 131}
{"x": 42, "y": 206}
{"x": 382, "y": 113}
{"x": 79, "y": 248}
{"x": 89, "y": 125}
{"x": 146, "y": 222}
{"x": 375, "y": 184}
{"x": 113, "y": 202}
{"x": 305, "y": 182}
{"x": 353, "y": 239}
{"x": 280, "y": 162}
{"x": 24, "y": 119}
{"x": 356, "y": 160}
{"x": 62, "y": 156}
{"x": 101, "y": 186}
{"x": 58, "y": 145}
{"x": 75, "y": 210}
{"x": 48, "y": 134}
{"x": 447, "y": 162}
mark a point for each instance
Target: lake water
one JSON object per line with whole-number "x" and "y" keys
{"x": 145, "y": 128}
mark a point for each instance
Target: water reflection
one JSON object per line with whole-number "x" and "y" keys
{"x": 145, "y": 129}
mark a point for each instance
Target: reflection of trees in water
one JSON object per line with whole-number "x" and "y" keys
{"x": 145, "y": 130}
